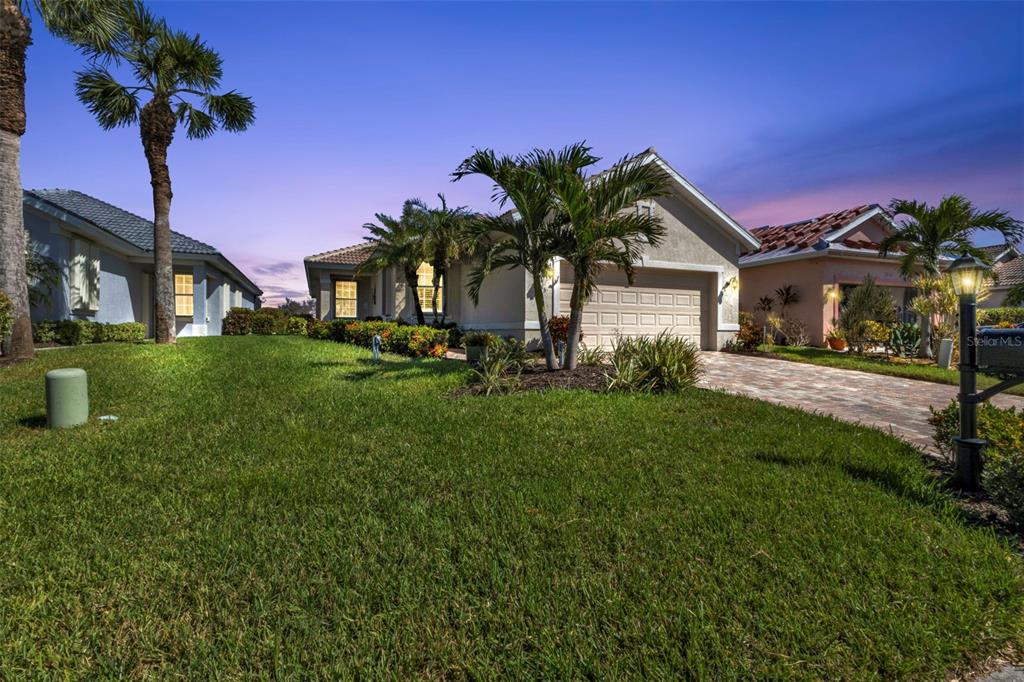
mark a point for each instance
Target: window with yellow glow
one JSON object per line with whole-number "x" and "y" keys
{"x": 425, "y": 288}
{"x": 183, "y": 294}
{"x": 344, "y": 298}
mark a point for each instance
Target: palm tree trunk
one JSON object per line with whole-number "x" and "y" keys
{"x": 412, "y": 281}
{"x": 572, "y": 344}
{"x": 15, "y": 37}
{"x": 156, "y": 126}
{"x": 434, "y": 293}
{"x": 542, "y": 318}
{"x": 925, "y": 349}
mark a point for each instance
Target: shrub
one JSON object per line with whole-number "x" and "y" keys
{"x": 75, "y": 332}
{"x": 1003, "y": 472}
{"x": 750, "y": 336}
{"x": 866, "y": 303}
{"x": 478, "y": 338}
{"x": 990, "y": 317}
{"x": 238, "y": 322}
{"x": 416, "y": 341}
{"x": 297, "y": 326}
{"x": 269, "y": 321}
{"x": 6, "y": 315}
{"x": 559, "y": 328}
{"x": 591, "y": 357}
{"x": 876, "y": 333}
{"x": 497, "y": 373}
{"x": 44, "y": 332}
{"x": 511, "y": 348}
{"x": 905, "y": 339}
{"x": 123, "y": 332}
{"x": 318, "y": 329}
{"x": 662, "y": 364}
{"x": 794, "y": 332}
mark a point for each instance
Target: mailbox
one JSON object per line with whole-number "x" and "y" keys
{"x": 1001, "y": 351}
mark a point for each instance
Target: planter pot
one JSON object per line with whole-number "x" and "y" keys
{"x": 476, "y": 354}
{"x": 837, "y": 344}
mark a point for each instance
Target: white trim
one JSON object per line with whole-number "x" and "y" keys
{"x": 703, "y": 200}
{"x": 671, "y": 265}
{"x": 528, "y": 325}
{"x": 864, "y": 254}
{"x": 728, "y": 327}
{"x": 854, "y": 224}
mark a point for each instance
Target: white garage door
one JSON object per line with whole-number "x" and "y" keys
{"x": 658, "y": 300}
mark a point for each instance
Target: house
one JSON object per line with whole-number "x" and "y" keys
{"x": 821, "y": 258}
{"x": 104, "y": 255}
{"x": 687, "y": 285}
{"x": 1008, "y": 266}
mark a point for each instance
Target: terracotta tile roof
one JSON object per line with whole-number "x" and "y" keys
{"x": 807, "y": 233}
{"x": 1010, "y": 272}
{"x": 355, "y": 254}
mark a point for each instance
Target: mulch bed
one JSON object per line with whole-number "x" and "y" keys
{"x": 538, "y": 378}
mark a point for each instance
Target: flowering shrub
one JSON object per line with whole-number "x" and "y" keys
{"x": 403, "y": 339}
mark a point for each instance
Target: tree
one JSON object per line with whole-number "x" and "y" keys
{"x": 866, "y": 303}
{"x": 292, "y": 308}
{"x": 521, "y": 237}
{"x": 928, "y": 234}
{"x": 95, "y": 21}
{"x": 447, "y": 241}
{"x": 593, "y": 226}
{"x": 1015, "y": 296}
{"x": 180, "y": 75}
{"x": 401, "y": 244}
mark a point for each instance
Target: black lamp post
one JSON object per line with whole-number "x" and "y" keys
{"x": 968, "y": 274}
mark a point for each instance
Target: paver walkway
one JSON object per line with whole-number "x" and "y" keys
{"x": 890, "y": 403}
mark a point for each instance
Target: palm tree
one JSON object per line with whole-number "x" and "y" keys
{"x": 447, "y": 238}
{"x": 929, "y": 234}
{"x": 95, "y": 21}
{"x": 593, "y": 227}
{"x": 516, "y": 238}
{"x": 1015, "y": 296}
{"x": 401, "y": 244}
{"x": 180, "y": 74}
{"x": 787, "y": 295}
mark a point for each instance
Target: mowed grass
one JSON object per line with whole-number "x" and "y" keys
{"x": 879, "y": 365}
{"x": 280, "y": 507}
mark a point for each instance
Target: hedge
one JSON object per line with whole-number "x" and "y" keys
{"x": 403, "y": 339}
{"x": 264, "y": 322}
{"x": 994, "y": 316}
{"x": 79, "y": 332}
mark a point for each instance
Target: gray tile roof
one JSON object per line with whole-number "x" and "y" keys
{"x": 134, "y": 229}
{"x": 1011, "y": 272}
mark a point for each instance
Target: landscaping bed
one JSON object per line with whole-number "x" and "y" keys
{"x": 278, "y": 507}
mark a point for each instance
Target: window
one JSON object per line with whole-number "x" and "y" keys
{"x": 344, "y": 298}
{"x": 425, "y": 288}
{"x": 183, "y": 294}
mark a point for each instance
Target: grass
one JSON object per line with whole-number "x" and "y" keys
{"x": 279, "y": 507}
{"x": 878, "y": 365}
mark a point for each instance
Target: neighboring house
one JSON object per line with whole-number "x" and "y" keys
{"x": 687, "y": 285}
{"x": 1009, "y": 272}
{"x": 105, "y": 257}
{"x": 830, "y": 253}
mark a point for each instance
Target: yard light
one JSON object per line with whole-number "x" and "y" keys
{"x": 968, "y": 274}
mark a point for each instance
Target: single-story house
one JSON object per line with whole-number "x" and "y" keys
{"x": 104, "y": 255}
{"x": 687, "y": 285}
{"x": 1009, "y": 272}
{"x": 820, "y": 256}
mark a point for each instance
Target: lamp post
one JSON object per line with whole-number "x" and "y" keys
{"x": 968, "y": 274}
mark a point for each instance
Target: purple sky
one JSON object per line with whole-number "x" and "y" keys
{"x": 778, "y": 111}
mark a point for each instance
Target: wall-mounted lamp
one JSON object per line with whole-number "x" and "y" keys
{"x": 733, "y": 284}
{"x": 832, "y": 295}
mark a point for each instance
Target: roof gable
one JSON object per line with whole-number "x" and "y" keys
{"x": 356, "y": 254}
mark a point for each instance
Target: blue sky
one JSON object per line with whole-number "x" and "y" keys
{"x": 778, "y": 111}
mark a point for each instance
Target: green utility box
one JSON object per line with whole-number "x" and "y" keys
{"x": 67, "y": 397}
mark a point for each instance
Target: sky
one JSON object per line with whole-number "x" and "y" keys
{"x": 777, "y": 111}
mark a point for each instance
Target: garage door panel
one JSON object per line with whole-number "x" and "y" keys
{"x": 659, "y": 300}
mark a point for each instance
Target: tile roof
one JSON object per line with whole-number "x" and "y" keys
{"x": 808, "y": 233}
{"x": 355, "y": 254}
{"x": 134, "y": 229}
{"x": 1011, "y": 272}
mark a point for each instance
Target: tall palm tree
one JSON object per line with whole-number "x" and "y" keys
{"x": 94, "y": 21}
{"x": 180, "y": 75}
{"x": 448, "y": 240}
{"x": 593, "y": 225}
{"x": 400, "y": 243}
{"x": 927, "y": 234}
{"x": 516, "y": 238}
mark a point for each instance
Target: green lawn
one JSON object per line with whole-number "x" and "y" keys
{"x": 280, "y": 507}
{"x": 878, "y": 365}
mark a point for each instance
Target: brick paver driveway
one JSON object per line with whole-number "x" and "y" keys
{"x": 889, "y": 403}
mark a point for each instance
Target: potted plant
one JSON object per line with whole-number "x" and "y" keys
{"x": 475, "y": 343}
{"x": 835, "y": 339}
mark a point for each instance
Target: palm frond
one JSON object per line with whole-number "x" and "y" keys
{"x": 110, "y": 102}
{"x": 232, "y": 111}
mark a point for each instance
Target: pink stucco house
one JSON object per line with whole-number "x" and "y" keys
{"x": 830, "y": 253}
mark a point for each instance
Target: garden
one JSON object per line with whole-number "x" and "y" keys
{"x": 308, "y": 511}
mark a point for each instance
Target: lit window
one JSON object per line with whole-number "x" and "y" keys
{"x": 425, "y": 288}
{"x": 183, "y": 295}
{"x": 344, "y": 298}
